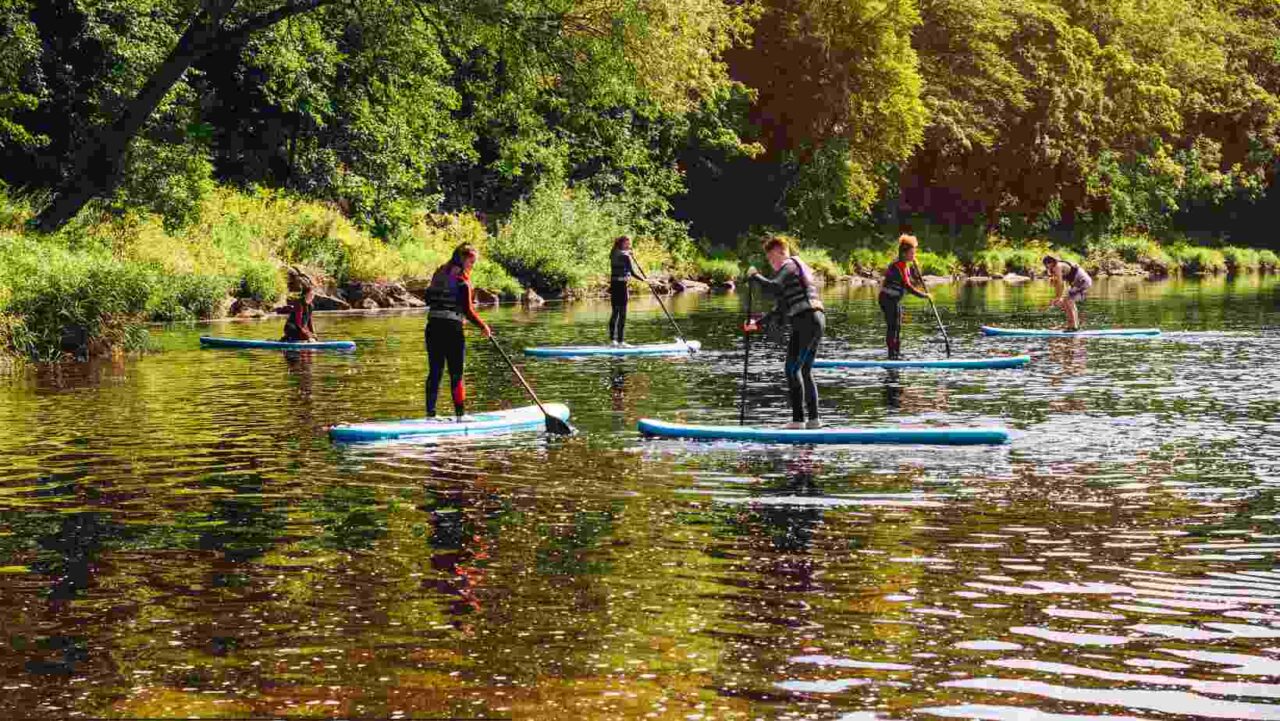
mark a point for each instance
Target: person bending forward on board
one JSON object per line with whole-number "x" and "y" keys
{"x": 298, "y": 328}
{"x": 798, "y": 304}
{"x": 1071, "y": 284}
{"x": 622, "y": 267}
{"x": 450, "y": 302}
{"x": 896, "y": 283}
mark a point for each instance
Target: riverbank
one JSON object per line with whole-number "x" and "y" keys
{"x": 89, "y": 289}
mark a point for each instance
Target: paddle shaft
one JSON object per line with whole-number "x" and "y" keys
{"x": 941, "y": 328}
{"x": 554, "y": 425}
{"x": 746, "y": 359}
{"x": 679, "y": 334}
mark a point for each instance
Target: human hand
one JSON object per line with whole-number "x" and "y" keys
{"x": 750, "y": 327}
{"x": 752, "y": 271}
{"x": 486, "y": 331}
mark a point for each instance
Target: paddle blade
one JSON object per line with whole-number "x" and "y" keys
{"x": 558, "y": 427}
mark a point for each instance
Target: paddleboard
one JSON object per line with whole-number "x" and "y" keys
{"x": 941, "y": 436}
{"x": 212, "y": 342}
{"x": 1004, "y": 362}
{"x": 492, "y": 422}
{"x": 1103, "y": 332}
{"x": 576, "y": 351}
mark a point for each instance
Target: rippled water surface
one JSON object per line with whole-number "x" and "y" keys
{"x": 179, "y": 538}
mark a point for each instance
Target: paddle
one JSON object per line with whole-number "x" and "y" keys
{"x": 746, "y": 359}
{"x": 554, "y": 425}
{"x": 679, "y": 334}
{"x": 941, "y": 328}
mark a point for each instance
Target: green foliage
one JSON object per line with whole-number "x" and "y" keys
{"x": 1268, "y": 260}
{"x": 870, "y": 261}
{"x": 1239, "y": 259}
{"x": 261, "y": 280}
{"x": 937, "y": 263}
{"x": 559, "y": 239}
{"x": 1197, "y": 260}
{"x": 186, "y": 297}
{"x": 821, "y": 262}
{"x": 716, "y": 271}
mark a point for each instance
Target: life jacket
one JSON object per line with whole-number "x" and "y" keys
{"x": 1076, "y": 276}
{"x": 443, "y": 301}
{"x": 895, "y": 279}
{"x": 799, "y": 294}
{"x": 300, "y": 314}
{"x": 619, "y": 265}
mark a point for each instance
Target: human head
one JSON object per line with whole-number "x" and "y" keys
{"x": 622, "y": 242}
{"x": 465, "y": 256}
{"x": 907, "y": 245}
{"x": 308, "y": 292}
{"x": 1049, "y": 262}
{"x": 777, "y": 249}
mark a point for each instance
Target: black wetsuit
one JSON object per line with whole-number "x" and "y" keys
{"x": 897, "y": 282}
{"x": 449, "y": 298}
{"x": 621, "y": 267}
{"x": 799, "y": 305}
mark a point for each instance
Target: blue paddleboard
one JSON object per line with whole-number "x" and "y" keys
{"x": 1103, "y": 332}
{"x": 942, "y": 436}
{"x": 493, "y": 422}
{"x": 211, "y": 342}
{"x": 577, "y": 351}
{"x": 1005, "y": 362}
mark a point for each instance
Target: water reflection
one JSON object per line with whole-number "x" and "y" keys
{"x": 178, "y": 537}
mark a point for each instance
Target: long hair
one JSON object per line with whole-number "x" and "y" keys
{"x": 461, "y": 252}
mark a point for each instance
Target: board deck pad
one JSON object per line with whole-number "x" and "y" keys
{"x": 920, "y": 435}
{"x": 578, "y": 351}
{"x": 478, "y": 423}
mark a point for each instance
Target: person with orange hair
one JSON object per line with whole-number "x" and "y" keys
{"x": 897, "y": 283}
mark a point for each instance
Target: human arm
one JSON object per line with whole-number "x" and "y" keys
{"x": 907, "y": 277}
{"x": 469, "y": 308}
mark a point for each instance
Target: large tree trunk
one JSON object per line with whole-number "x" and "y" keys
{"x": 96, "y": 167}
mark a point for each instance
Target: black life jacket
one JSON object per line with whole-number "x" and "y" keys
{"x": 620, "y": 267}
{"x": 799, "y": 294}
{"x": 443, "y": 294}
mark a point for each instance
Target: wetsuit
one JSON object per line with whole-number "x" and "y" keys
{"x": 897, "y": 282}
{"x": 621, "y": 267}
{"x": 799, "y": 305}
{"x": 450, "y": 300}
{"x": 299, "y": 320}
{"x": 1078, "y": 281}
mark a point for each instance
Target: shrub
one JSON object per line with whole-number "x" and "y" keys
{"x": 869, "y": 261}
{"x": 989, "y": 261}
{"x": 937, "y": 263}
{"x": 261, "y": 280}
{"x": 187, "y": 297}
{"x": 558, "y": 239}
{"x": 1197, "y": 260}
{"x": 712, "y": 270}
{"x": 1268, "y": 260}
{"x": 1240, "y": 259}
{"x": 820, "y": 260}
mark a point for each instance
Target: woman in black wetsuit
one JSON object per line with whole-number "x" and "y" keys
{"x": 622, "y": 267}
{"x": 799, "y": 306}
{"x": 298, "y": 328}
{"x": 451, "y": 303}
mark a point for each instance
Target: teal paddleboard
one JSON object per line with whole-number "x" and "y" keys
{"x": 211, "y": 342}
{"x": 1102, "y": 332}
{"x": 578, "y": 351}
{"x": 492, "y": 422}
{"x": 932, "y": 436}
{"x": 1005, "y": 362}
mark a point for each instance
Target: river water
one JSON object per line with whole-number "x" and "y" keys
{"x": 179, "y": 538}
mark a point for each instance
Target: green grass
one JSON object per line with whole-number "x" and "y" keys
{"x": 716, "y": 271}
{"x": 1194, "y": 259}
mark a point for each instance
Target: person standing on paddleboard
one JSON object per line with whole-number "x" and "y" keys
{"x": 297, "y": 327}
{"x": 622, "y": 267}
{"x": 450, "y": 302}
{"x": 897, "y": 282}
{"x": 798, "y": 305}
{"x": 1071, "y": 284}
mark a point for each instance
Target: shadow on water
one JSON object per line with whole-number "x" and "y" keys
{"x": 179, "y": 538}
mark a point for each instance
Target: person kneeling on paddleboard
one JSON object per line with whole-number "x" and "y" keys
{"x": 1071, "y": 284}
{"x": 450, "y": 302}
{"x": 896, "y": 283}
{"x": 622, "y": 267}
{"x": 298, "y": 328}
{"x": 798, "y": 305}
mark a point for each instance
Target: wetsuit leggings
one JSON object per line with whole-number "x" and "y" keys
{"x": 802, "y": 350}
{"x": 618, "y": 318}
{"x": 445, "y": 344}
{"x": 892, "y": 309}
